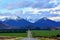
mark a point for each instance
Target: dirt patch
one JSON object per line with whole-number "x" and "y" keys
{"x": 48, "y": 38}
{"x": 7, "y": 38}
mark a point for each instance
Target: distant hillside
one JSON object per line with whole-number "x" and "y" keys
{"x": 3, "y": 26}
{"x": 43, "y": 23}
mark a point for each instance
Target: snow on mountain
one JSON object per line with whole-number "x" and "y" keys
{"x": 3, "y": 18}
{"x": 43, "y": 23}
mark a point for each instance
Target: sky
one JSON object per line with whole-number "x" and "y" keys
{"x": 30, "y": 9}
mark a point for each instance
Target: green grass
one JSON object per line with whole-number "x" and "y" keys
{"x": 45, "y": 33}
{"x": 14, "y": 34}
{"x": 34, "y": 33}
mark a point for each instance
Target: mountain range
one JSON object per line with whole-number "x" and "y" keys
{"x": 43, "y": 23}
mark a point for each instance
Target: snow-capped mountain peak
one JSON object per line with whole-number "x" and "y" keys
{"x": 3, "y": 18}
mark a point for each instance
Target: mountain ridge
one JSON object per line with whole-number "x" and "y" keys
{"x": 43, "y": 23}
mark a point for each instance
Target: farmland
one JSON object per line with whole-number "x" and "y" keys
{"x": 47, "y": 33}
{"x": 41, "y": 34}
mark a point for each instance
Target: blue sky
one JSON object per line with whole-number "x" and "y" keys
{"x": 31, "y": 9}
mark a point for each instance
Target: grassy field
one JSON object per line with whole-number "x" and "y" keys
{"x": 45, "y": 33}
{"x": 14, "y": 34}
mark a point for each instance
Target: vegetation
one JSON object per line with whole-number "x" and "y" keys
{"x": 14, "y": 34}
{"x": 45, "y": 33}
{"x": 35, "y": 33}
{"x": 12, "y": 31}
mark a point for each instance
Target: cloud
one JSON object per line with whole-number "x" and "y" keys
{"x": 55, "y": 10}
{"x": 33, "y": 9}
{"x": 57, "y": 18}
{"x": 29, "y": 10}
{"x": 8, "y": 17}
{"x": 13, "y": 4}
{"x": 54, "y": 1}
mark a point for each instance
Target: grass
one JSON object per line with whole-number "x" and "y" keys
{"x": 14, "y": 34}
{"x": 43, "y": 33}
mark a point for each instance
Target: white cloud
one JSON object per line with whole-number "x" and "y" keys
{"x": 55, "y": 12}
{"x": 20, "y": 11}
{"x": 2, "y": 17}
{"x": 55, "y": 8}
{"x": 29, "y": 9}
{"x": 35, "y": 10}
{"x": 54, "y": 1}
{"x": 9, "y": 17}
{"x": 55, "y": 18}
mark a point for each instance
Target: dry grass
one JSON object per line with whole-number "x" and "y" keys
{"x": 19, "y": 38}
